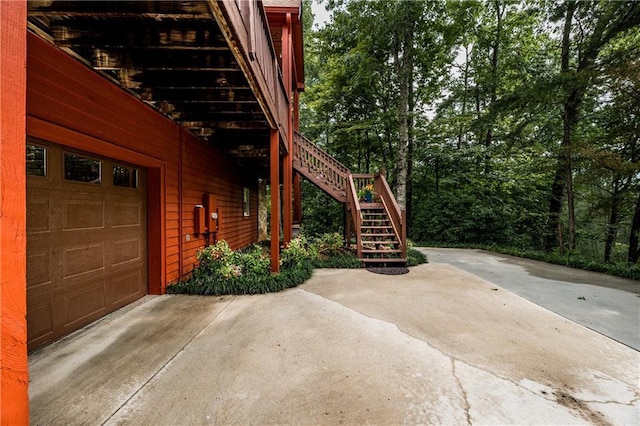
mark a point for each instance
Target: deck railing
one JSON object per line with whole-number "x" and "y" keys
{"x": 249, "y": 31}
{"x": 353, "y": 206}
{"x": 398, "y": 217}
{"x": 362, "y": 179}
{"x": 321, "y": 164}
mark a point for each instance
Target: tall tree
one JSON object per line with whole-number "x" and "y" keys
{"x": 597, "y": 24}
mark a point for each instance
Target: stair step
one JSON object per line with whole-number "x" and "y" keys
{"x": 381, "y": 251}
{"x": 390, "y": 260}
{"x": 385, "y": 242}
{"x": 380, "y": 236}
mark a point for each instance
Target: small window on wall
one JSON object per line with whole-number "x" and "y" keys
{"x": 82, "y": 169}
{"x": 124, "y": 176}
{"x": 246, "y": 202}
{"x": 36, "y": 160}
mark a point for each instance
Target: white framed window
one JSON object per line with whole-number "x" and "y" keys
{"x": 82, "y": 169}
{"x": 125, "y": 176}
{"x": 246, "y": 202}
{"x": 36, "y": 160}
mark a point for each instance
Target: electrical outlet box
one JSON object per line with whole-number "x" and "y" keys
{"x": 199, "y": 219}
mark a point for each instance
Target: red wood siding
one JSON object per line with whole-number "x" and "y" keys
{"x": 199, "y": 163}
{"x": 70, "y": 104}
{"x": 14, "y": 378}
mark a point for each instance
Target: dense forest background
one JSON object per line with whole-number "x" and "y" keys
{"x": 497, "y": 122}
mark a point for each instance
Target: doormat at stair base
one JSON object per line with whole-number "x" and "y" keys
{"x": 395, "y": 270}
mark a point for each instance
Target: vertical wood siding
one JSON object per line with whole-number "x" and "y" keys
{"x": 14, "y": 378}
{"x": 70, "y": 104}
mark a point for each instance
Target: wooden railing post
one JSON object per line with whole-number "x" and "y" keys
{"x": 356, "y": 213}
{"x": 398, "y": 218}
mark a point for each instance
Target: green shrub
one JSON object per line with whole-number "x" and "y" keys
{"x": 296, "y": 251}
{"x": 221, "y": 270}
{"x": 414, "y": 257}
{"x": 331, "y": 244}
{"x": 343, "y": 260}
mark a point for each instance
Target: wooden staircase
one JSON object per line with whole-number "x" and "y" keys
{"x": 380, "y": 244}
{"x": 378, "y": 229}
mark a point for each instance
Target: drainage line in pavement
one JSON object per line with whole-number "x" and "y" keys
{"x": 168, "y": 362}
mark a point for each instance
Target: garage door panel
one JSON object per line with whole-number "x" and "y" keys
{"x": 39, "y": 271}
{"x": 86, "y": 249}
{"x": 85, "y": 302}
{"x": 127, "y": 286}
{"x": 40, "y": 320}
{"x": 39, "y": 215}
{"x": 83, "y": 214}
{"x": 127, "y": 214}
{"x": 83, "y": 259}
{"x": 126, "y": 251}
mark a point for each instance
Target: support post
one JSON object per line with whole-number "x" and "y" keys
{"x": 14, "y": 379}
{"x": 347, "y": 225}
{"x": 297, "y": 198}
{"x": 274, "y": 150}
{"x": 287, "y": 173}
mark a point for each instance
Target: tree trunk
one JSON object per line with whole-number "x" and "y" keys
{"x": 461, "y": 138}
{"x": 410, "y": 139}
{"x": 552, "y": 234}
{"x": 493, "y": 88}
{"x": 634, "y": 248}
{"x": 404, "y": 65}
{"x": 563, "y": 175}
{"x": 612, "y": 226}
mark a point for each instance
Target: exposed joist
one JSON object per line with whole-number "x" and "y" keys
{"x": 174, "y": 57}
{"x": 244, "y": 126}
{"x": 136, "y": 16}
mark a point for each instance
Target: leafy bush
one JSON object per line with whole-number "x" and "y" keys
{"x": 414, "y": 257}
{"x": 295, "y": 252}
{"x": 342, "y": 260}
{"x": 221, "y": 270}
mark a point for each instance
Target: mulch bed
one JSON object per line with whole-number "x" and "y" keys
{"x": 392, "y": 270}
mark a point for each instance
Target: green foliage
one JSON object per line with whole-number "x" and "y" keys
{"x": 486, "y": 108}
{"x": 329, "y": 244}
{"x": 296, "y": 251}
{"x": 341, "y": 260}
{"x": 572, "y": 260}
{"x": 247, "y": 271}
{"x": 320, "y": 212}
{"x": 221, "y": 270}
{"x": 415, "y": 257}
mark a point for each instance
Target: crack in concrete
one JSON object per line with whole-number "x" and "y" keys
{"x": 164, "y": 366}
{"x": 467, "y": 406}
{"x": 578, "y": 406}
{"x": 629, "y": 404}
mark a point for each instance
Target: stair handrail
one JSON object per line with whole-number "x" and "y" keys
{"x": 398, "y": 217}
{"x": 309, "y": 154}
{"x": 356, "y": 213}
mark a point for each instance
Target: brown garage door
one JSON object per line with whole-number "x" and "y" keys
{"x": 86, "y": 239}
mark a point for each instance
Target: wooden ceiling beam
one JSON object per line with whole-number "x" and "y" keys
{"x": 66, "y": 15}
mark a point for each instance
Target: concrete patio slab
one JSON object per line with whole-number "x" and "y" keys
{"x": 438, "y": 346}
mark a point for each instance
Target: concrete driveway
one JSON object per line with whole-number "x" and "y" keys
{"x": 609, "y": 305}
{"x": 438, "y": 345}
